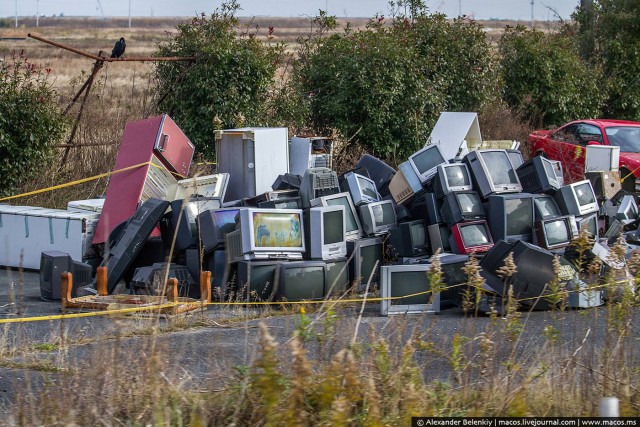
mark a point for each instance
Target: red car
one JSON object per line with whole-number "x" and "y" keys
{"x": 567, "y": 144}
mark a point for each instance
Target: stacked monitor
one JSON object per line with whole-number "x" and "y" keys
{"x": 452, "y": 177}
{"x": 353, "y": 226}
{"x": 554, "y": 233}
{"x": 471, "y": 237}
{"x": 327, "y": 226}
{"x": 425, "y": 161}
{"x": 493, "y": 172}
{"x": 540, "y": 175}
{"x": 405, "y": 289}
{"x": 511, "y": 216}
{"x": 378, "y": 218}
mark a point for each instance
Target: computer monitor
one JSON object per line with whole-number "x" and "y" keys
{"x": 492, "y": 172}
{"x": 255, "y": 280}
{"x": 462, "y": 206}
{"x": 378, "y": 171}
{"x": 409, "y": 239}
{"x": 511, "y": 216}
{"x": 267, "y": 234}
{"x": 554, "y": 233}
{"x": 214, "y": 225}
{"x": 545, "y": 207}
{"x": 52, "y": 265}
{"x": 378, "y": 218}
{"x": 353, "y": 227}
{"x": 300, "y": 280}
{"x": 362, "y": 189}
{"x": 405, "y": 290}
{"x": 183, "y": 220}
{"x": 539, "y": 175}
{"x": 628, "y": 210}
{"x": 428, "y": 207}
{"x": 289, "y": 203}
{"x": 317, "y": 182}
{"x": 439, "y": 235}
{"x": 516, "y": 157}
{"x": 452, "y": 177}
{"x": 325, "y": 231}
{"x": 471, "y": 237}
{"x": 592, "y": 224}
{"x": 425, "y": 161}
{"x": 365, "y": 259}
{"x": 577, "y": 198}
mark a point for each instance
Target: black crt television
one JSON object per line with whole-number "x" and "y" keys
{"x": 255, "y": 280}
{"x": 405, "y": 290}
{"x": 462, "y": 206}
{"x": 300, "y": 280}
{"x": 545, "y": 207}
{"x": 52, "y": 265}
{"x": 136, "y": 231}
{"x": 453, "y": 276}
{"x": 492, "y": 172}
{"x": 288, "y": 203}
{"x": 577, "y": 199}
{"x": 365, "y": 260}
{"x": 591, "y": 222}
{"x": 409, "y": 239}
{"x": 554, "y": 233}
{"x": 427, "y": 206}
{"x": 511, "y": 216}
{"x": 452, "y": 177}
{"x": 150, "y": 280}
{"x": 539, "y": 175}
{"x": 216, "y": 262}
{"x": 439, "y": 235}
{"x": 214, "y": 225}
{"x": 183, "y": 220}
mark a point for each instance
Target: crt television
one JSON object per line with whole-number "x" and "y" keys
{"x": 471, "y": 237}
{"x": 300, "y": 280}
{"x": 539, "y": 175}
{"x": 628, "y": 210}
{"x": 492, "y": 172}
{"x": 317, "y": 182}
{"x": 425, "y": 161}
{"x": 409, "y": 239}
{"x": 52, "y": 265}
{"x": 577, "y": 198}
{"x": 462, "y": 206}
{"x": 267, "y": 234}
{"x": 405, "y": 290}
{"x": 554, "y": 233}
{"x": 353, "y": 227}
{"x": 545, "y": 207}
{"x": 452, "y": 177}
{"x": 183, "y": 219}
{"x": 325, "y": 232}
{"x": 378, "y": 218}
{"x": 516, "y": 157}
{"x": 362, "y": 189}
{"x": 591, "y": 222}
{"x": 511, "y": 216}
{"x": 365, "y": 259}
{"x": 214, "y": 225}
{"x": 255, "y": 280}
{"x": 284, "y": 203}
{"x": 439, "y": 235}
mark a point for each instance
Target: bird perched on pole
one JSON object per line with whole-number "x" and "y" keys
{"x": 118, "y": 49}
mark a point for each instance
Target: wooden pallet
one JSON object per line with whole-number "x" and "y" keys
{"x": 170, "y": 304}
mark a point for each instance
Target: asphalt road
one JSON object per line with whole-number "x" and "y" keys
{"x": 223, "y": 338}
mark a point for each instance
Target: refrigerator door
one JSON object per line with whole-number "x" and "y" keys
{"x": 249, "y": 163}
{"x": 173, "y": 147}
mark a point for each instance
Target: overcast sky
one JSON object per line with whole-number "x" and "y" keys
{"x": 480, "y": 9}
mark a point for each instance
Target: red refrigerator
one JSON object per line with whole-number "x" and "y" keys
{"x": 158, "y": 140}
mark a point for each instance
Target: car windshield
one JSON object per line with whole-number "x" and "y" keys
{"x": 625, "y": 137}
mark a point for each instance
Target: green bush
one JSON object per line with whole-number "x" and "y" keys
{"x": 30, "y": 123}
{"x": 385, "y": 86}
{"x": 226, "y": 86}
{"x": 546, "y": 80}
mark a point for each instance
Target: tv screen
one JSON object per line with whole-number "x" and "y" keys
{"x": 547, "y": 207}
{"x": 499, "y": 168}
{"x": 409, "y": 283}
{"x": 370, "y": 254}
{"x": 474, "y": 235}
{"x": 557, "y": 232}
{"x": 383, "y": 214}
{"x": 333, "y": 226}
{"x": 457, "y": 176}
{"x": 470, "y": 203}
{"x": 277, "y": 229}
{"x": 418, "y": 234}
{"x": 592, "y": 224}
{"x": 516, "y": 158}
{"x": 549, "y": 169}
{"x": 519, "y": 216}
{"x": 302, "y": 283}
{"x": 428, "y": 159}
{"x": 226, "y": 221}
{"x": 352, "y": 225}
{"x": 367, "y": 187}
{"x": 584, "y": 194}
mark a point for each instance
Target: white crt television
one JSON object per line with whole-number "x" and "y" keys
{"x": 425, "y": 161}
{"x": 327, "y": 229}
